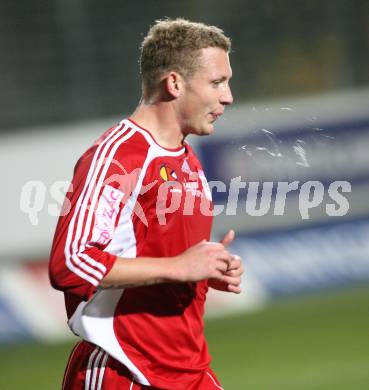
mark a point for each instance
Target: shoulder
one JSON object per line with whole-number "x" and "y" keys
{"x": 123, "y": 140}
{"x": 120, "y": 148}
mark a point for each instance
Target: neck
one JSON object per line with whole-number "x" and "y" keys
{"x": 161, "y": 120}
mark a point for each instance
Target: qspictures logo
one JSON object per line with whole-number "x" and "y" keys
{"x": 125, "y": 188}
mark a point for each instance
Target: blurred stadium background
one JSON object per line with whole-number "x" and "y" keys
{"x": 68, "y": 71}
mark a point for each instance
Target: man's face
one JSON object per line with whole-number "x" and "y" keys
{"x": 206, "y": 93}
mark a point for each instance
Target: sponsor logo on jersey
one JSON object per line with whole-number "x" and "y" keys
{"x": 106, "y": 214}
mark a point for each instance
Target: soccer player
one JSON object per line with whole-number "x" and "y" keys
{"x": 131, "y": 250}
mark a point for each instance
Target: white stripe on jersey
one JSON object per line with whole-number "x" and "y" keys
{"x": 67, "y": 253}
{"x": 215, "y": 383}
{"x": 79, "y": 266}
{"x": 95, "y": 369}
{"x": 103, "y": 163}
{"x": 93, "y": 262}
{"x": 88, "y": 371}
{"x": 77, "y": 247}
{"x": 102, "y": 371}
{"x": 95, "y": 190}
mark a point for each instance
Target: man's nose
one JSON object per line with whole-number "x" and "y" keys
{"x": 226, "y": 97}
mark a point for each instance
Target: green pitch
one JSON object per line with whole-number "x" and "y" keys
{"x": 318, "y": 342}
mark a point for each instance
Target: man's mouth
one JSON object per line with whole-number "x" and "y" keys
{"x": 216, "y": 115}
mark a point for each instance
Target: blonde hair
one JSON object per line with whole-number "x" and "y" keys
{"x": 174, "y": 44}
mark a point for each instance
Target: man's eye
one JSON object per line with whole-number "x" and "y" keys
{"x": 217, "y": 82}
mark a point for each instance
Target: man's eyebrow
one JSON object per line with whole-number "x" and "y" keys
{"x": 223, "y": 78}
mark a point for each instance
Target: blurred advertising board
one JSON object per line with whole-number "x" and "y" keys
{"x": 29, "y": 307}
{"x": 299, "y": 260}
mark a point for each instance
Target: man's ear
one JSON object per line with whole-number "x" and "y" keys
{"x": 173, "y": 84}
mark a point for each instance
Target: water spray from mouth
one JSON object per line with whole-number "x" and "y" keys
{"x": 301, "y": 152}
{"x": 273, "y": 146}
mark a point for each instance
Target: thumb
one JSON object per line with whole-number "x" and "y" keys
{"x": 228, "y": 238}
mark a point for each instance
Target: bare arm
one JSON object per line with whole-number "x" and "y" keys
{"x": 205, "y": 260}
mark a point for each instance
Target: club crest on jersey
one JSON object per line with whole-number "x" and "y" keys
{"x": 168, "y": 174}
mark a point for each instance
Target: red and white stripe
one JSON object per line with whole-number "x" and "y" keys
{"x": 214, "y": 381}
{"x": 96, "y": 369}
{"x": 80, "y": 225}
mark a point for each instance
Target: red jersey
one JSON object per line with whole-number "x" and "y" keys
{"x": 131, "y": 198}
